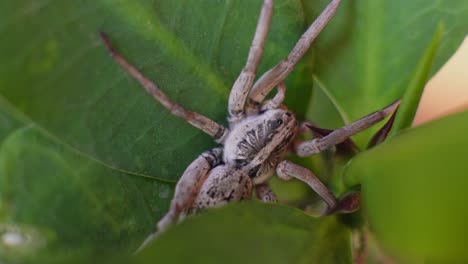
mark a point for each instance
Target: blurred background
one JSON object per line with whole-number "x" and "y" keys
{"x": 447, "y": 91}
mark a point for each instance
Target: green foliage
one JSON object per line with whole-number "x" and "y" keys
{"x": 247, "y": 233}
{"x": 88, "y": 161}
{"x": 414, "y": 189}
{"x": 369, "y": 53}
{"x": 67, "y": 203}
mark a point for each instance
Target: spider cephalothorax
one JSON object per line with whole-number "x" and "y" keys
{"x": 259, "y": 135}
{"x": 272, "y": 129}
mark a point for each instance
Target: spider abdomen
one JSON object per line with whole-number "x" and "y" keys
{"x": 223, "y": 185}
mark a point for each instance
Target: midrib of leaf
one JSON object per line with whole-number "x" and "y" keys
{"x": 372, "y": 49}
{"x": 147, "y": 24}
{"x": 5, "y": 104}
{"x": 220, "y": 29}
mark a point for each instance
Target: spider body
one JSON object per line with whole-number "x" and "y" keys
{"x": 244, "y": 162}
{"x": 259, "y": 135}
{"x": 249, "y": 137}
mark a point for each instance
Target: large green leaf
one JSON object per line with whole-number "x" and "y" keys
{"x": 252, "y": 233}
{"x": 368, "y": 54}
{"x": 414, "y": 189}
{"x": 91, "y": 135}
{"x": 56, "y": 71}
{"x": 61, "y": 205}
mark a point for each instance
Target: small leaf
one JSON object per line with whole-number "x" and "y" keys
{"x": 410, "y": 100}
{"x": 382, "y": 134}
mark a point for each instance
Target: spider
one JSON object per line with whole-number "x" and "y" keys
{"x": 259, "y": 135}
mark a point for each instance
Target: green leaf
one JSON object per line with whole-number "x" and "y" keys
{"x": 414, "y": 190}
{"x": 64, "y": 80}
{"x": 252, "y": 233}
{"x": 344, "y": 117}
{"x": 64, "y": 206}
{"x": 410, "y": 100}
{"x": 367, "y": 55}
{"x": 94, "y": 146}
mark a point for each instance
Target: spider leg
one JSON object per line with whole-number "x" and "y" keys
{"x": 278, "y": 73}
{"x": 265, "y": 193}
{"x": 197, "y": 120}
{"x": 186, "y": 190}
{"x": 347, "y": 203}
{"x": 244, "y": 82}
{"x": 186, "y": 186}
{"x": 287, "y": 170}
{"x": 317, "y": 145}
{"x": 277, "y": 100}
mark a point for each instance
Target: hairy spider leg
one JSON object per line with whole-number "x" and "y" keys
{"x": 186, "y": 190}
{"x": 348, "y": 203}
{"x": 244, "y": 82}
{"x": 317, "y": 145}
{"x": 276, "y": 101}
{"x": 277, "y": 74}
{"x": 287, "y": 170}
{"x": 264, "y": 193}
{"x": 210, "y": 127}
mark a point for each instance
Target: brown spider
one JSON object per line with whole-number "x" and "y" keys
{"x": 259, "y": 135}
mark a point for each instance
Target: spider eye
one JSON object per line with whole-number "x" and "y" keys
{"x": 279, "y": 122}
